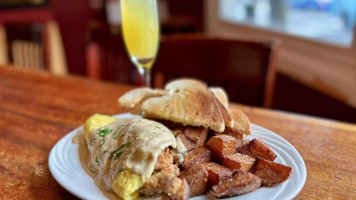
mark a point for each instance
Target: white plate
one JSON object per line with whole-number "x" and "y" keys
{"x": 65, "y": 167}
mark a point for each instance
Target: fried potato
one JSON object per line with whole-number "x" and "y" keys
{"x": 243, "y": 150}
{"x": 241, "y": 182}
{"x": 189, "y": 145}
{"x": 238, "y": 161}
{"x": 270, "y": 172}
{"x": 257, "y": 148}
{"x": 197, "y": 178}
{"x": 197, "y": 134}
{"x": 200, "y": 155}
{"x": 240, "y": 143}
{"x": 216, "y": 173}
{"x": 221, "y": 145}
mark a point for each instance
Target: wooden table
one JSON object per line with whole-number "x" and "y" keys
{"x": 37, "y": 109}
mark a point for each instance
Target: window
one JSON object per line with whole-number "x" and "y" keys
{"x": 329, "y": 21}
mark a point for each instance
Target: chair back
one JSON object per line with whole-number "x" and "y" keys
{"x": 245, "y": 69}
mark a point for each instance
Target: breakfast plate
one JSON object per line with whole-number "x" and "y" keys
{"x": 65, "y": 166}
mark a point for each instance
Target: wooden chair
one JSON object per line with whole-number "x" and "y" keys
{"x": 245, "y": 69}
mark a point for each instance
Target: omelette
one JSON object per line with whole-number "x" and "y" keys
{"x": 123, "y": 152}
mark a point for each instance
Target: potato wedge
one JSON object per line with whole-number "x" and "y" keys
{"x": 200, "y": 155}
{"x": 241, "y": 182}
{"x": 197, "y": 178}
{"x": 270, "y": 172}
{"x": 238, "y": 161}
{"x": 221, "y": 145}
{"x": 189, "y": 145}
{"x": 257, "y": 148}
{"x": 197, "y": 134}
{"x": 240, "y": 143}
{"x": 216, "y": 173}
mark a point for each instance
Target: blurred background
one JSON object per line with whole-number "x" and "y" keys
{"x": 315, "y": 64}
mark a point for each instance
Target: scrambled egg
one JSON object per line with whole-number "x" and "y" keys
{"x": 127, "y": 183}
{"x": 97, "y": 121}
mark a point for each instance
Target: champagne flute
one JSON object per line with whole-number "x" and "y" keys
{"x": 140, "y": 27}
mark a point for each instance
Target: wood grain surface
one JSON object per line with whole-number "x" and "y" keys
{"x": 37, "y": 109}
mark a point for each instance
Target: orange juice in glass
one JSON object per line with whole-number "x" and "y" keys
{"x": 140, "y": 27}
